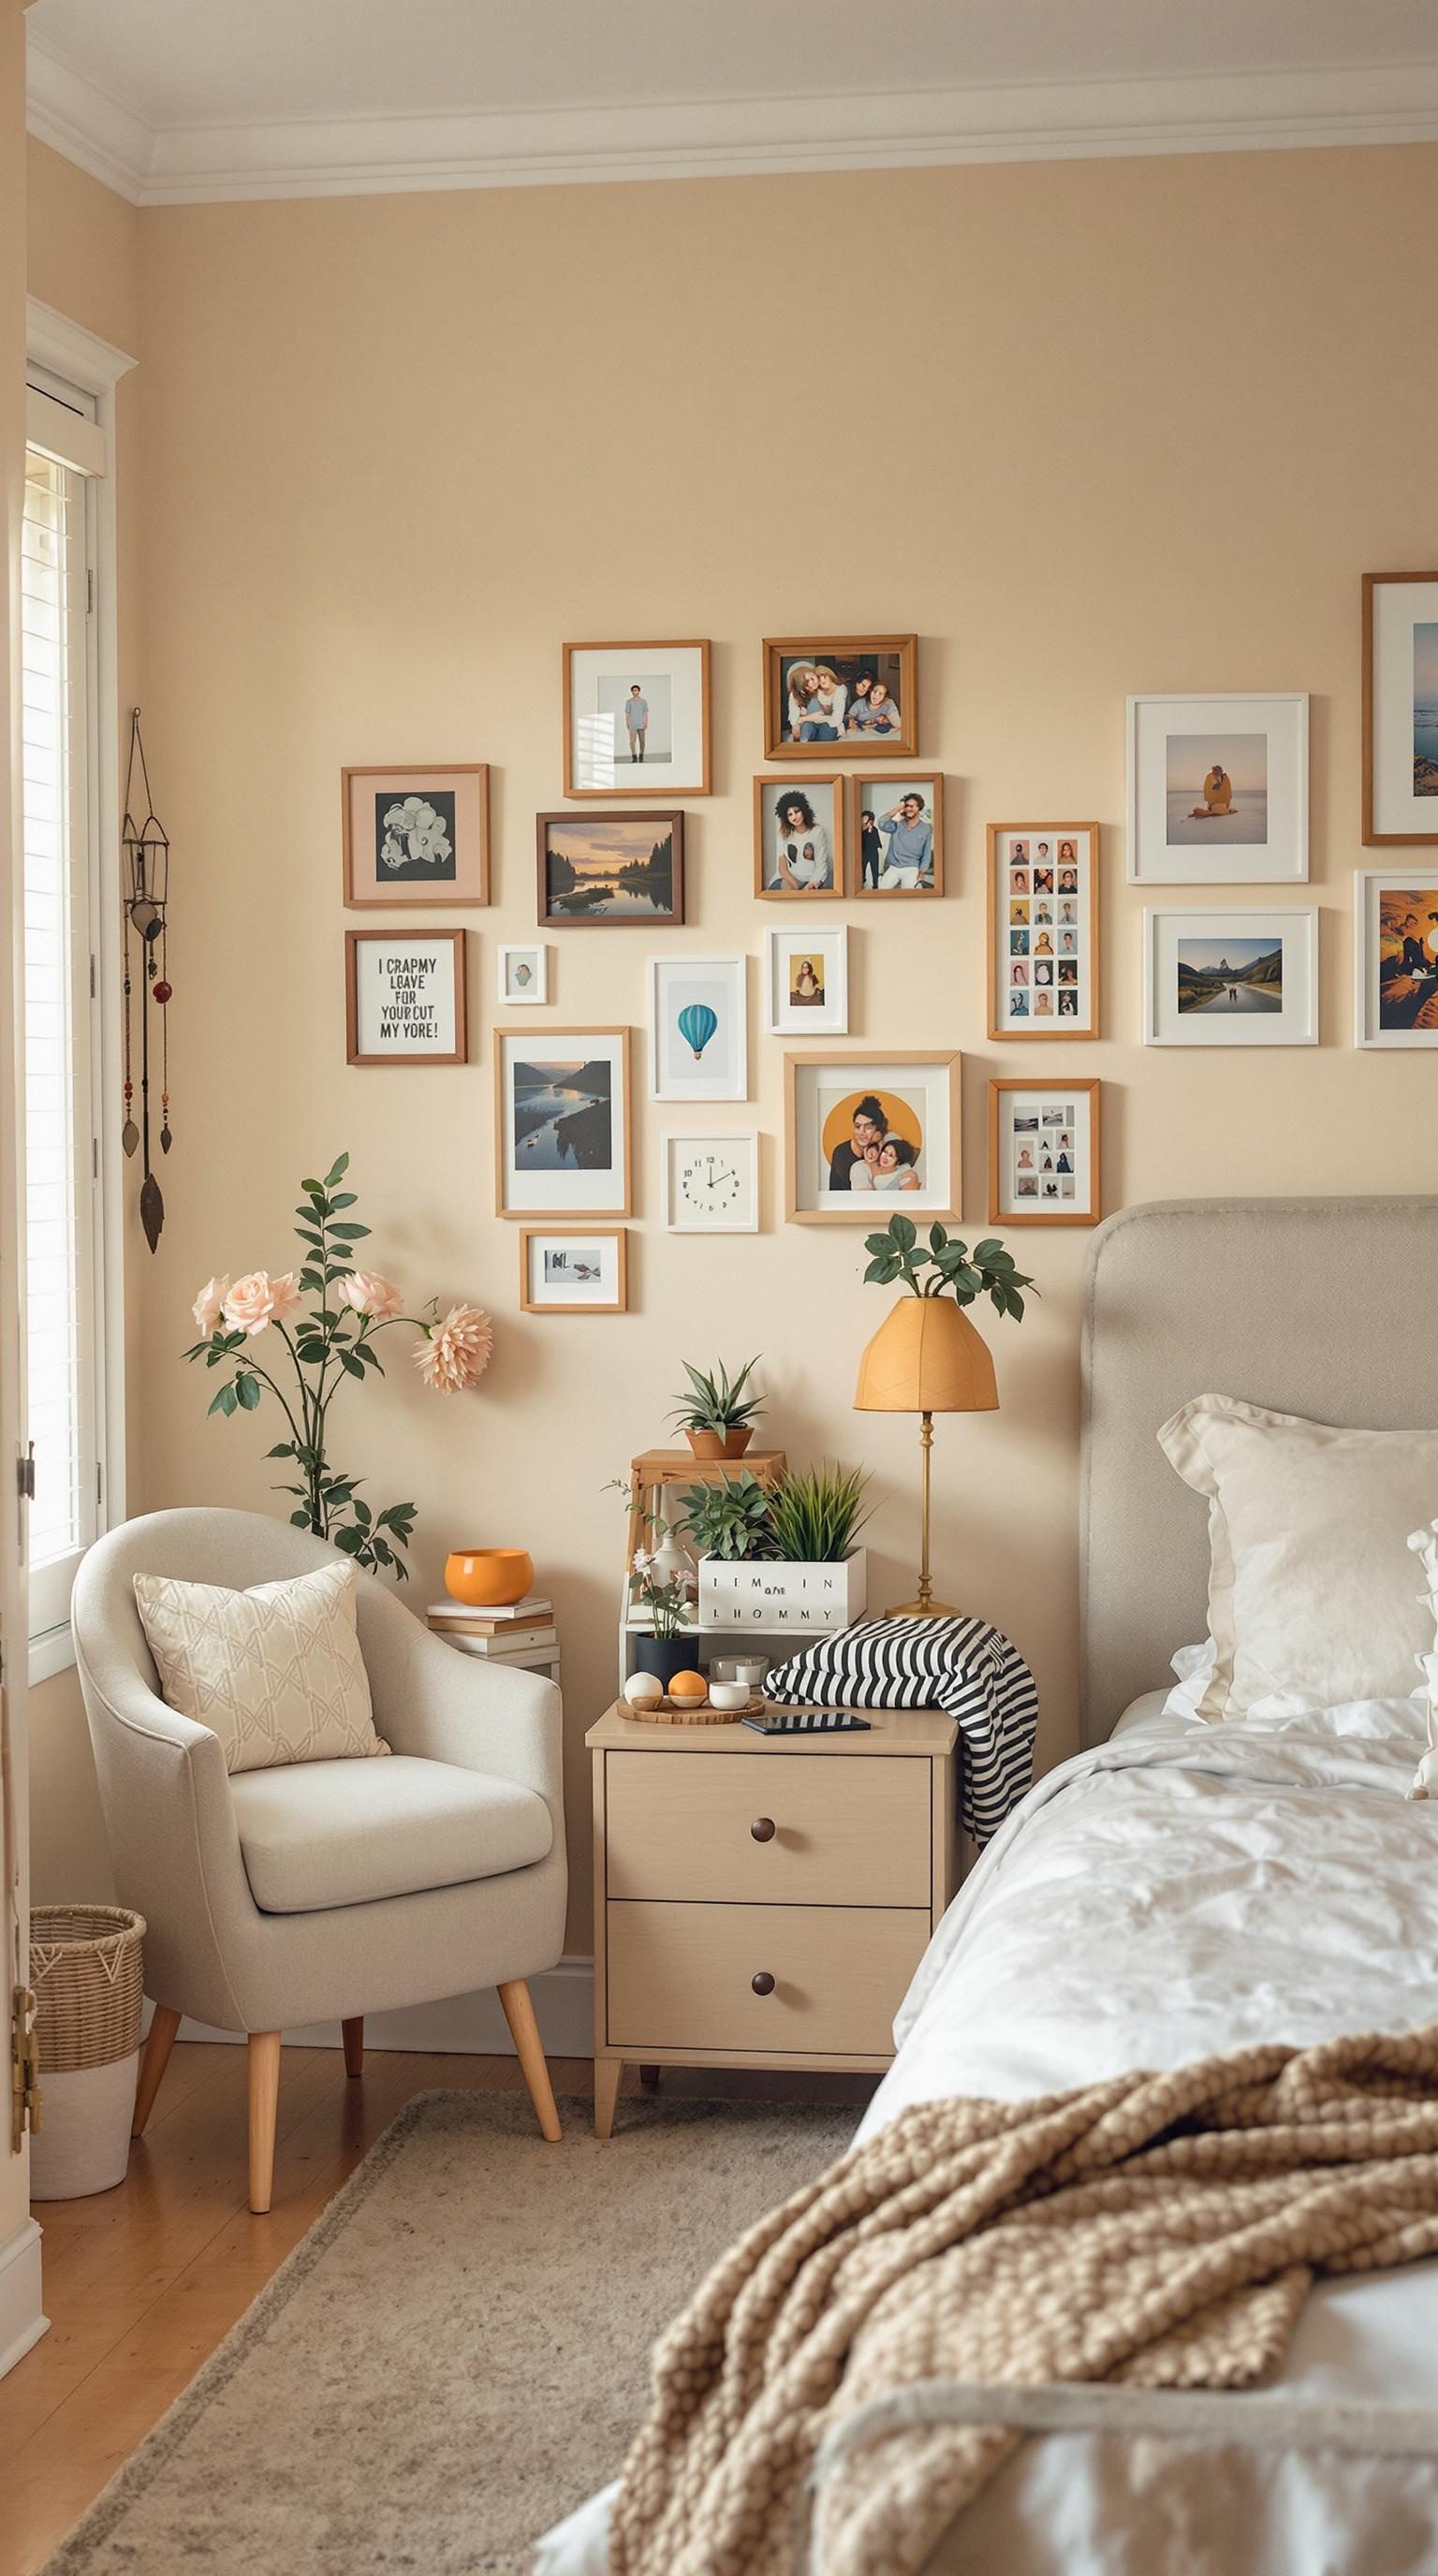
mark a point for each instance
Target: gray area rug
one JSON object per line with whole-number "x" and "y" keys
{"x": 456, "y": 2354}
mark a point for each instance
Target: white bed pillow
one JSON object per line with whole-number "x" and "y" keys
{"x": 1310, "y": 1588}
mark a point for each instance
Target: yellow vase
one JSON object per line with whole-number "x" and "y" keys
{"x": 488, "y": 1578}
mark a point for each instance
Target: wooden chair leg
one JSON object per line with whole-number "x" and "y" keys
{"x": 353, "y": 2032}
{"x": 153, "y": 2064}
{"x": 524, "y": 2030}
{"x": 264, "y": 2106}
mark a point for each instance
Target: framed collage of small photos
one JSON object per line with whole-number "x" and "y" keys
{"x": 1044, "y": 1152}
{"x": 1043, "y": 930}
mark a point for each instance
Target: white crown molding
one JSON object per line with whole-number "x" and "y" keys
{"x": 385, "y": 155}
{"x": 51, "y": 338}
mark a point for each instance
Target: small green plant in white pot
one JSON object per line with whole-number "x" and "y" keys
{"x": 811, "y": 1575}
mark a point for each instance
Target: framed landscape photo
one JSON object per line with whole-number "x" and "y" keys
{"x": 405, "y": 997}
{"x": 1043, "y": 902}
{"x": 1242, "y": 978}
{"x": 636, "y": 719}
{"x": 806, "y": 981}
{"x": 1044, "y": 1153}
{"x": 1400, "y": 706}
{"x": 866, "y": 1135}
{"x": 698, "y": 1028}
{"x": 523, "y": 976}
{"x": 897, "y": 835}
{"x": 601, "y": 868}
{"x": 415, "y": 836}
{"x": 573, "y": 1270}
{"x": 799, "y": 836}
{"x": 711, "y": 1184}
{"x": 860, "y": 690}
{"x": 1395, "y": 957}
{"x": 1218, "y": 790}
{"x": 562, "y": 1123}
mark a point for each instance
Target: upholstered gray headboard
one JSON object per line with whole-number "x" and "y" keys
{"x": 1324, "y": 1307}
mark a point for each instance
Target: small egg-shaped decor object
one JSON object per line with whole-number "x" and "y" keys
{"x": 643, "y": 1690}
{"x": 689, "y": 1686}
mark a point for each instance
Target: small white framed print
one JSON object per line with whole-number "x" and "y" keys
{"x": 1218, "y": 790}
{"x": 523, "y": 976}
{"x": 806, "y": 982}
{"x": 573, "y": 1270}
{"x": 698, "y": 1028}
{"x": 636, "y": 719}
{"x": 1043, "y": 896}
{"x": 711, "y": 1184}
{"x": 1044, "y": 1152}
{"x": 1242, "y": 978}
{"x": 1395, "y": 957}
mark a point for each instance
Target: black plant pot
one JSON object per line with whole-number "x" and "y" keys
{"x": 664, "y": 1656}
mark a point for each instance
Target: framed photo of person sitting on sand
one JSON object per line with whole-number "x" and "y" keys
{"x": 562, "y": 1125}
{"x": 859, "y": 690}
{"x": 1218, "y": 790}
{"x": 1246, "y": 978}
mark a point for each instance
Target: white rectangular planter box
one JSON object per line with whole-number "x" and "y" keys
{"x": 806, "y": 1598}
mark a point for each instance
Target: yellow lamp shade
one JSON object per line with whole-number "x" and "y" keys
{"x": 926, "y": 1357}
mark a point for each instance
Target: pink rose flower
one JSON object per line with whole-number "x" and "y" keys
{"x": 370, "y": 1295}
{"x": 210, "y": 1305}
{"x": 258, "y": 1300}
{"x": 454, "y": 1353}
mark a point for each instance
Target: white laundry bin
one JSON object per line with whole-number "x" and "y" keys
{"x": 87, "y": 1974}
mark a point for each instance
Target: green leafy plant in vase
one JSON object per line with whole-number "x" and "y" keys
{"x": 716, "y": 1416}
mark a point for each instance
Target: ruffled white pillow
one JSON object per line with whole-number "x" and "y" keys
{"x": 1424, "y": 1543}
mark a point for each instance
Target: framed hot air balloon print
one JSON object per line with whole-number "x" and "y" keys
{"x": 595, "y": 869}
{"x": 698, "y": 1028}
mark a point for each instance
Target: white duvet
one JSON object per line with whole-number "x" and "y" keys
{"x": 1185, "y": 1889}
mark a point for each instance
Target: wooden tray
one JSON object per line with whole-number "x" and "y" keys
{"x": 679, "y": 1712}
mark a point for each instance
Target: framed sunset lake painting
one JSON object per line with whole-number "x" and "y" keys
{"x": 595, "y": 869}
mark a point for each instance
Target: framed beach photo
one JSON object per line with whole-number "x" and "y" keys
{"x": 1043, "y": 901}
{"x": 865, "y": 1135}
{"x": 799, "y": 836}
{"x": 1218, "y": 790}
{"x": 897, "y": 835}
{"x": 405, "y": 997}
{"x": 1044, "y": 1153}
{"x": 573, "y": 1270}
{"x": 1400, "y": 706}
{"x": 806, "y": 982}
{"x": 1395, "y": 957}
{"x": 860, "y": 690}
{"x": 523, "y": 976}
{"x": 1242, "y": 978}
{"x": 602, "y": 868}
{"x": 698, "y": 1028}
{"x": 636, "y": 719}
{"x": 562, "y": 1141}
{"x": 415, "y": 836}
{"x": 711, "y": 1184}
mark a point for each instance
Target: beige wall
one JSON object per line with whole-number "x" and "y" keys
{"x": 1088, "y": 427}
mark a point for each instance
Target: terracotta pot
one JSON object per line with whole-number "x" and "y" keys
{"x": 926, "y": 1357}
{"x": 720, "y": 1444}
{"x": 488, "y": 1578}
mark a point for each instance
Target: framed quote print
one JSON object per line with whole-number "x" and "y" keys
{"x": 1043, "y": 930}
{"x": 573, "y": 1270}
{"x": 1218, "y": 790}
{"x": 868, "y": 1135}
{"x": 405, "y": 997}
{"x": 1395, "y": 957}
{"x": 636, "y": 719}
{"x": 562, "y": 1143}
{"x": 1044, "y": 1153}
{"x": 1243, "y": 978}
{"x": 416, "y": 836}
{"x": 1400, "y": 706}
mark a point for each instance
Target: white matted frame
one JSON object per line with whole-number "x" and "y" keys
{"x": 514, "y": 991}
{"x": 711, "y": 1183}
{"x": 791, "y": 1008}
{"x": 563, "y": 1186}
{"x": 598, "y": 678}
{"x": 1400, "y": 707}
{"x": 1241, "y": 834}
{"x": 594, "y": 1261}
{"x": 698, "y": 1028}
{"x": 917, "y": 1094}
{"x": 1061, "y": 861}
{"x": 1045, "y": 1152}
{"x": 1237, "y": 1009}
{"x": 1395, "y": 909}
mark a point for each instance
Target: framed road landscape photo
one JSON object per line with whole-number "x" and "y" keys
{"x": 1044, "y": 1152}
{"x": 562, "y": 1124}
{"x": 573, "y": 1270}
{"x": 860, "y": 690}
{"x": 415, "y": 836}
{"x": 1400, "y": 706}
{"x": 1043, "y": 930}
{"x": 405, "y": 997}
{"x": 636, "y": 719}
{"x": 1218, "y": 790}
{"x": 1241, "y": 978}
{"x": 595, "y": 869}
{"x": 867, "y": 1134}
{"x": 1395, "y": 957}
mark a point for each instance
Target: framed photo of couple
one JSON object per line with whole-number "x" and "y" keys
{"x": 1043, "y": 930}
{"x": 898, "y": 835}
{"x": 866, "y": 1134}
{"x": 859, "y": 690}
{"x": 1044, "y": 1153}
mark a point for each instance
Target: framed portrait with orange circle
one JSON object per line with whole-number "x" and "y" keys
{"x": 865, "y": 1135}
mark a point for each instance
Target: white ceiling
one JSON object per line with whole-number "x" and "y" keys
{"x": 182, "y": 99}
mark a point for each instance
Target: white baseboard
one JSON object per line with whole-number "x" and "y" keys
{"x": 22, "y": 2316}
{"x": 464, "y": 2025}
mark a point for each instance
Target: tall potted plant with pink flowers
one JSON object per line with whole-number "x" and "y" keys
{"x": 325, "y": 1316}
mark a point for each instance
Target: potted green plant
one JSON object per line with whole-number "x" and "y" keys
{"x": 662, "y": 1589}
{"x": 811, "y": 1575}
{"x": 716, "y": 1417}
{"x": 728, "y": 1520}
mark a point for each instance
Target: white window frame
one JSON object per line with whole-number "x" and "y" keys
{"x": 70, "y": 416}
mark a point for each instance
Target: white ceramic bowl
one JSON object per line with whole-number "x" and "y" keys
{"x": 730, "y": 1695}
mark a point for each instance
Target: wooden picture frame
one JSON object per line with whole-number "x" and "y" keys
{"x": 529, "y": 1304}
{"x": 466, "y": 784}
{"x": 424, "y": 941}
{"x": 888, "y": 1074}
{"x": 899, "y": 654}
{"x": 831, "y": 788}
{"x": 581, "y": 770}
{"x": 544, "y": 1044}
{"x": 579, "y": 827}
{"x": 1055, "y": 1211}
{"x": 1384, "y": 797}
{"x": 929, "y": 785}
{"x": 1001, "y": 927}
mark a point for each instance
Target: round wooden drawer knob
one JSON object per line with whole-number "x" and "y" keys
{"x": 763, "y": 1984}
{"x": 762, "y": 1829}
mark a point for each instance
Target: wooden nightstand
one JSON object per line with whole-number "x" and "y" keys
{"x": 763, "y": 1901}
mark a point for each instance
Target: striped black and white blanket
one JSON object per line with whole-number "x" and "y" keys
{"x": 962, "y": 1666}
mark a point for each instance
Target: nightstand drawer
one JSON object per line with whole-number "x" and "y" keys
{"x": 832, "y": 1832}
{"x": 681, "y": 1976}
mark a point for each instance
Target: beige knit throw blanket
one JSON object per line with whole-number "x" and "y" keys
{"x": 1160, "y": 2229}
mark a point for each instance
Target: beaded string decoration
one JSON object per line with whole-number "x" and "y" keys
{"x": 146, "y": 898}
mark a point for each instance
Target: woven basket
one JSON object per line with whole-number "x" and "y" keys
{"x": 87, "y": 1970}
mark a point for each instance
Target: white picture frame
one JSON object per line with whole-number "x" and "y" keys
{"x": 563, "y": 1130}
{"x": 711, "y": 1183}
{"x": 826, "y": 951}
{"x": 1400, "y": 708}
{"x": 522, "y": 975}
{"x": 1218, "y": 789}
{"x": 1392, "y": 1019}
{"x": 698, "y": 1028}
{"x": 1236, "y": 1008}
{"x": 669, "y": 754}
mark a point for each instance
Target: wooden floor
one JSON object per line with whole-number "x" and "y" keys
{"x": 141, "y": 2283}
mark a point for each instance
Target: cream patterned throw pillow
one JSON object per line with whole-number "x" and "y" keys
{"x": 276, "y": 1673}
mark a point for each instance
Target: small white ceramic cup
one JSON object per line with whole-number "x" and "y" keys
{"x": 723, "y": 1668}
{"x": 748, "y": 1669}
{"x": 729, "y": 1695}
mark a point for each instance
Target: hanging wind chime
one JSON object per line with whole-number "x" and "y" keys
{"x": 146, "y": 898}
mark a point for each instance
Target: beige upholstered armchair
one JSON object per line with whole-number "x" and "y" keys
{"x": 319, "y": 1891}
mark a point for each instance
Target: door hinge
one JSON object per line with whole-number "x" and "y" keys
{"x": 92, "y": 974}
{"x": 25, "y": 1474}
{"x": 89, "y": 594}
{"x": 26, "y": 2101}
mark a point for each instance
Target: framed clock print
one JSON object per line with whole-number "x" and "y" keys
{"x": 711, "y": 1184}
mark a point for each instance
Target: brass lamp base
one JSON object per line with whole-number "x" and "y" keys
{"x": 922, "y": 1610}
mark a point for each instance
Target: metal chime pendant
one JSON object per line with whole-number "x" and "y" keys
{"x": 152, "y": 1210}
{"x": 129, "y": 1136}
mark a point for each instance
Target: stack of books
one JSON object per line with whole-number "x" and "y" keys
{"x": 515, "y": 1635}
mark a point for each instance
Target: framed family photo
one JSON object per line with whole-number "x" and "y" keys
{"x": 562, "y": 1122}
{"x": 415, "y": 835}
{"x": 1218, "y": 790}
{"x": 1395, "y": 957}
{"x": 806, "y": 982}
{"x": 799, "y": 836}
{"x": 523, "y": 975}
{"x": 1043, "y": 902}
{"x": 897, "y": 835}
{"x": 405, "y": 997}
{"x": 1044, "y": 1153}
{"x": 698, "y": 1028}
{"x": 711, "y": 1184}
{"x": 601, "y": 868}
{"x": 1400, "y": 706}
{"x": 636, "y": 719}
{"x": 573, "y": 1270}
{"x": 860, "y": 690}
{"x": 864, "y": 1130}
{"x": 1242, "y": 978}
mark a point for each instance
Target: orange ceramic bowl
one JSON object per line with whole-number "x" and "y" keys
{"x": 488, "y": 1578}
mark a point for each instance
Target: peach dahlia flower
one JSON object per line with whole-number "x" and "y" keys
{"x": 454, "y": 1352}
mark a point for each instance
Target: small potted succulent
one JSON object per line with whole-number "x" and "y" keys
{"x": 716, "y": 1415}
{"x": 803, "y": 1570}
